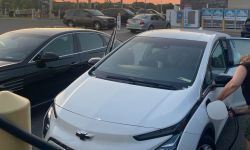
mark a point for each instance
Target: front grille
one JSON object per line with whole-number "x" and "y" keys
{"x": 111, "y": 20}
{"x": 59, "y": 143}
{"x": 13, "y": 85}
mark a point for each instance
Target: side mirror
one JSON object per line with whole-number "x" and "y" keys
{"x": 217, "y": 110}
{"x": 93, "y": 61}
{"x": 48, "y": 56}
{"x": 222, "y": 80}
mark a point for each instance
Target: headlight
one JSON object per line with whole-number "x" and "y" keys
{"x": 46, "y": 120}
{"x": 172, "y": 130}
{"x": 170, "y": 144}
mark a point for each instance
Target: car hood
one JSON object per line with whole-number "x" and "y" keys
{"x": 105, "y": 17}
{"x": 6, "y": 63}
{"x": 123, "y": 103}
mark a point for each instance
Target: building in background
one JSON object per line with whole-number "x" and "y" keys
{"x": 199, "y": 4}
{"x": 239, "y": 4}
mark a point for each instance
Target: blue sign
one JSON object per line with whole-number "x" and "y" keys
{"x": 241, "y": 14}
{"x": 229, "y": 14}
{"x": 179, "y": 16}
{"x": 217, "y": 14}
{"x": 207, "y": 13}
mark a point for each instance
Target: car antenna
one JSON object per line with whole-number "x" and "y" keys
{"x": 111, "y": 42}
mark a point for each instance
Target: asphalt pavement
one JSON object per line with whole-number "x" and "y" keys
{"x": 38, "y": 111}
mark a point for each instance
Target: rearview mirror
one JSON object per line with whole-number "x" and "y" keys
{"x": 222, "y": 80}
{"x": 93, "y": 61}
{"x": 49, "y": 56}
{"x": 217, "y": 110}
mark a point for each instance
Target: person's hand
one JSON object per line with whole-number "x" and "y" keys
{"x": 232, "y": 112}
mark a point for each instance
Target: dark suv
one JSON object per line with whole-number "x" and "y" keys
{"x": 245, "y": 32}
{"x": 125, "y": 13}
{"x": 88, "y": 18}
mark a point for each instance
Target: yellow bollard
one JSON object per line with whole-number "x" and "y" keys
{"x": 223, "y": 25}
{"x": 15, "y": 109}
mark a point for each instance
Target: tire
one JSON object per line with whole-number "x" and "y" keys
{"x": 206, "y": 143}
{"x": 97, "y": 25}
{"x": 151, "y": 27}
{"x": 133, "y": 31}
{"x": 168, "y": 26}
{"x": 243, "y": 35}
{"x": 70, "y": 24}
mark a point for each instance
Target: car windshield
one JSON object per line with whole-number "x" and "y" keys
{"x": 142, "y": 16}
{"x": 17, "y": 46}
{"x": 95, "y": 13}
{"x": 129, "y": 11}
{"x": 154, "y": 61}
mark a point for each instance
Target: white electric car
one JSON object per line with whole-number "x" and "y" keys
{"x": 150, "y": 93}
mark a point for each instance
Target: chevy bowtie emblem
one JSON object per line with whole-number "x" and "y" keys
{"x": 84, "y": 135}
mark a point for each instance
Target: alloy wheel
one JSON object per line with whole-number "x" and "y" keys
{"x": 97, "y": 26}
{"x": 205, "y": 147}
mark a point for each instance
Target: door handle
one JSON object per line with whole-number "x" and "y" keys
{"x": 74, "y": 63}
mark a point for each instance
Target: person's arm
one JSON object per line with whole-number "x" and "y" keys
{"x": 234, "y": 83}
{"x": 241, "y": 110}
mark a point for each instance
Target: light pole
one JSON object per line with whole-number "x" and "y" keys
{"x": 50, "y": 8}
{"x": 161, "y": 6}
{"x": 77, "y": 4}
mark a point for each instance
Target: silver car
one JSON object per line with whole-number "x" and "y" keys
{"x": 143, "y": 22}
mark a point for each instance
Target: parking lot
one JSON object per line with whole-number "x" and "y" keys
{"x": 39, "y": 110}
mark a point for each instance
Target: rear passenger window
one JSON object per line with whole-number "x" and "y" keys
{"x": 62, "y": 45}
{"x": 89, "y": 41}
{"x": 218, "y": 57}
{"x": 248, "y": 22}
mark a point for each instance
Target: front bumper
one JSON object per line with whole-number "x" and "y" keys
{"x": 245, "y": 33}
{"x": 108, "y": 24}
{"x": 62, "y": 132}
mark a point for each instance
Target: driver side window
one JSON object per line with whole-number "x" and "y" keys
{"x": 61, "y": 46}
{"x": 218, "y": 58}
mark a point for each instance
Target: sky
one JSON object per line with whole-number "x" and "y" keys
{"x": 131, "y": 1}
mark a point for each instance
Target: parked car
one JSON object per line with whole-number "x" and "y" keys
{"x": 145, "y": 22}
{"x": 150, "y": 93}
{"x": 113, "y": 12}
{"x": 89, "y": 18}
{"x": 245, "y": 32}
{"x": 150, "y": 11}
{"x": 46, "y": 60}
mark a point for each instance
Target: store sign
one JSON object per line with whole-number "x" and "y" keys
{"x": 241, "y": 14}
{"x": 207, "y": 13}
{"x": 217, "y": 14}
{"x": 229, "y": 14}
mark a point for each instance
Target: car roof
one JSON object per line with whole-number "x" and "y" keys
{"x": 146, "y": 14}
{"x": 50, "y": 31}
{"x": 187, "y": 34}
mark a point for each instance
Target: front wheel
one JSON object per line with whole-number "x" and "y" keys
{"x": 206, "y": 143}
{"x": 97, "y": 26}
{"x": 243, "y": 35}
{"x": 71, "y": 24}
{"x": 168, "y": 26}
{"x": 151, "y": 27}
{"x": 133, "y": 31}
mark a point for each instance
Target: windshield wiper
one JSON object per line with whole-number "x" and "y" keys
{"x": 142, "y": 82}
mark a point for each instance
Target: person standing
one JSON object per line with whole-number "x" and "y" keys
{"x": 241, "y": 78}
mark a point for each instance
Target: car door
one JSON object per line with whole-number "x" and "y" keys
{"x": 53, "y": 76}
{"x": 217, "y": 65}
{"x": 247, "y": 25}
{"x": 90, "y": 45}
{"x": 239, "y": 47}
{"x": 81, "y": 18}
{"x": 155, "y": 21}
{"x": 162, "y": 22}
